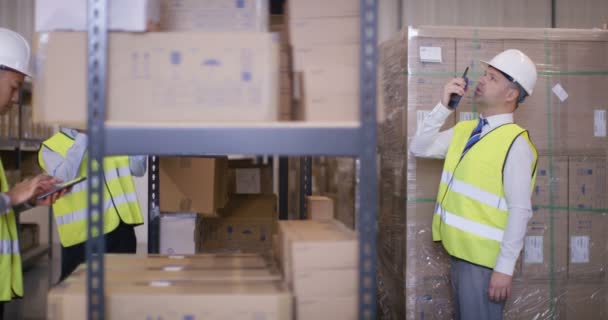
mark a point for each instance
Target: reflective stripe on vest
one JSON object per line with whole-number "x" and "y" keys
{"x": 9, "y": 246}
{"x": 110, "y": 175}
{"x": 109, "y": 204}
{"x": 472, "y": 211}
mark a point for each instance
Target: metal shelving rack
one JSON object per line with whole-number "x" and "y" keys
{"x": 285, "y": 139}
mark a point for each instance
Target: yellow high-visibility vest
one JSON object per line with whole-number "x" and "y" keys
{"x": 11, "y": 278}
{"x": 120, "y": 199}
{"x": 471, "y": 212}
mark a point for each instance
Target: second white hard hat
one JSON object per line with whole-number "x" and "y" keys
{"x": 14, "y": 51}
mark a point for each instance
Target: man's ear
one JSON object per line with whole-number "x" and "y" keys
{"x": 512, "y": 94}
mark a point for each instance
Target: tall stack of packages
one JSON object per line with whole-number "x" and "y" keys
{"x": 562, "y": 270}
{"x": 324, "y": 39}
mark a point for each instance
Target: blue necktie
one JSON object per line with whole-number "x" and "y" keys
{"x": 475, "y": 135}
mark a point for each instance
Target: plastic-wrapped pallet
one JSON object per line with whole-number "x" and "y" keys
{"x": 561, "y": 273}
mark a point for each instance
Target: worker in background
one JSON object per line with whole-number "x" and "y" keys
{"x": 14, "y": 63}
{"x": 484, "y": 199}
{"x": 64, "y": 156}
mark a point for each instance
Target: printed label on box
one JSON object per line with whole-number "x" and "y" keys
{"x": 465, "y": 116}
{"x": 599, "y": 127}
{"x": 248, "y": 181}
{"x": 430, "y": 54}
{"x": 533, "y": 249}
{"x": 579, "y": 249}
{"x": 559, "y": 91}
{"x": 420, "y": 115}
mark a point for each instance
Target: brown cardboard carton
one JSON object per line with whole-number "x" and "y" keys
{"x": 214, "y": 16}
{"x": 193, "y": 184}
{"x": 423, "y": 178}
{"x": 586, "y": 114}
{"x": 180, "y": 77}
{"x": 330, "y": 94}
{"x": 173, "y": 300}
{"x": 587, "y": 222}
{"x": 586, "y": 301}
{"x": 325, "y": 283}
{"x": 545, "y": 251}
{"x": 14, "y": 123}
{"x": 324, "y": 31}
{"x": 246, "y": 177}
{"x": 551, "y": 181}
{"x": 130, "y": 262}
{"x": 424, "y": 93}
{"x": 247, "y": 224}
{"x": 536, "y": 300}
{"x": 317, "y": 8}
{"x": 586, "y": 56}
{"x": 320, "y": 208}
{"x": 326, "y": 308}
{"x": 312, "y": 245}
{"x": 322, "y": 55}
{"x": 71, "y": 15}
{"x": 181, "y": 274}
{"x": 470, "y": 53}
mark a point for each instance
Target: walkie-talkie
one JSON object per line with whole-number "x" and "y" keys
{"x": 455, "y": 98}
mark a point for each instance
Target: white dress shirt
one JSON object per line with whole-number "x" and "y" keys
{"x": 430, "y": 143}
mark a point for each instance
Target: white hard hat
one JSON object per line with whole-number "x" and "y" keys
{"x": 14, "y": 51}
{"x": 516, "y": 65}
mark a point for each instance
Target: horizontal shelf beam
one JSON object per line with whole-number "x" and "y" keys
{"x": 275, "y": 139}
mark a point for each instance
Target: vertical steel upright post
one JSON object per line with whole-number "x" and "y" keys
{"x": 367, "y": 186}
{"x": 97, "y": 39}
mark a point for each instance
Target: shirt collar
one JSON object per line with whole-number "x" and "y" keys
{"x": 499, "y": 120}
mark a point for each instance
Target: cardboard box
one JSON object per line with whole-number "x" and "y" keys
{"x": 177, "y": 233}
{"x": 246, "y": 177}
{"x": 229, "y": 77}
{"x": 586, "y": 301}
{"x": 326, "y": 308}
{"x": 586, "y": 114}
{"x": 330, "y": 94}
{"x": 545, "y": 251}
{"x": 247, "y": 224}
{"x": 176, "y": 300}
{"x": 214, "y": 16}
{"x": 325, "y": 55}
{"x": 14, "y": 123}
{"x": 318, "y": 8}
{"x": 5, "y": 126}
{"x": 193, "y": 184}
{"x": 325, "y": 283}
{"x": 183, "y": 274}
{"x": 71, "y": 15}
{"x": 324, "y": 31}
{"x": 320, "y": 208}
{"x": 131, "y": 262}
{"x": 469, "y": 52}
{"x": 310, "y": 245}
{"x": 587, "y": 225}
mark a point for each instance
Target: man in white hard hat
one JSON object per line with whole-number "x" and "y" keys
{"x": 484, "y": 199}
{"x": 14, "y": 61}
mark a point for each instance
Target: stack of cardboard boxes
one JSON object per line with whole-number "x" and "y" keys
{"x": 319, "y": 261}
{"x": 214, "y": 63}
{"x": 325, "y": 47}
{"x": 561, "y": 271}
{"x": 184, "y": 287}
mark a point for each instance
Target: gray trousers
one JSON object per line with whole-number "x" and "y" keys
{"x": 470, "y": 284}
